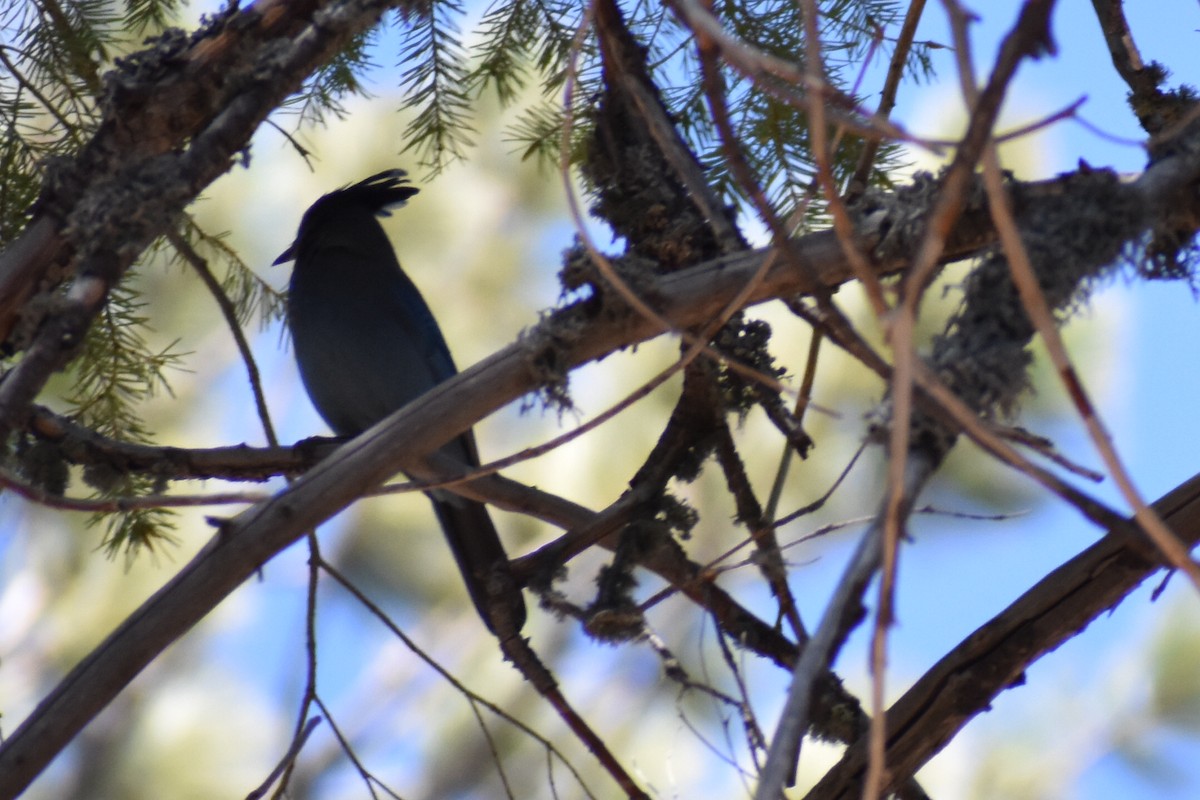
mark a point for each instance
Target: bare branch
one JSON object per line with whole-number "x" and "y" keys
{"x": 993, "y": 658}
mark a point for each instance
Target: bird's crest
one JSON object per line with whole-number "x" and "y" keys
{"x": 383, "y": 191}
{"x": 380, "y": 193}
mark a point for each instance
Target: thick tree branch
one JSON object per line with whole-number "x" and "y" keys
{"x": 567, "y": 339}
{"x": 967, "y": 680}
{"x": 697, "y": 294}
{"x": 174, "y": 118}
{"x": 1157, "y": 110}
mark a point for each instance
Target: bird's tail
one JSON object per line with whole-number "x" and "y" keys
{"x": 481, "y": 559}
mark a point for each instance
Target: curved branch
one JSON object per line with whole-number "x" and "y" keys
{"x": 967, "y": 680}
{"x": 564, "y": 341}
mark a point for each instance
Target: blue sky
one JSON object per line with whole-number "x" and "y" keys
{"x": 1144, "y": 390}
{"x": 1144, "y": 383}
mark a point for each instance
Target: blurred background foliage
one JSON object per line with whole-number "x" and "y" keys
{"x": 483, "y": 241}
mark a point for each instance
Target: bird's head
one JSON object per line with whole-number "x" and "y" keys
{"x": 338, "y": 211}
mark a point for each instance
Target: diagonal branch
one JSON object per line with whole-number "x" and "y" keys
{"x": 967, "y": 680}
{"x": 564, "y": 341}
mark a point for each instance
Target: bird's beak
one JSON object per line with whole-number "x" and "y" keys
{"x": 287, "y": 255}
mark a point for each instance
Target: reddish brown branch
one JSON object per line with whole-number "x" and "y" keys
{"x": 887, "y": 97}
{"x": 1157, "y": 110}
{"x": 566, "y": 339}
{"x": 967, "y": 680}
{"x": 517, "y": 650}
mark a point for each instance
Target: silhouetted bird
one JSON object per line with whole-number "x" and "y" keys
{"x": 366, "y": 344}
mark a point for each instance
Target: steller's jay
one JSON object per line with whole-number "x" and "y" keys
{"x": 366, "y": 344}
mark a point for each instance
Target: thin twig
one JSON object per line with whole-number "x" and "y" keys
{"x": 235, "y": 328}
{"x": 1043, "y": 320}
{"x": 309, "y": 695}
{"x": 288, "y": 759}
{"x": 472, "y": 697}
{"x": 966, "y": 681}
{"x": 887, "y": 97}
{"x": 841, "y": 615}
